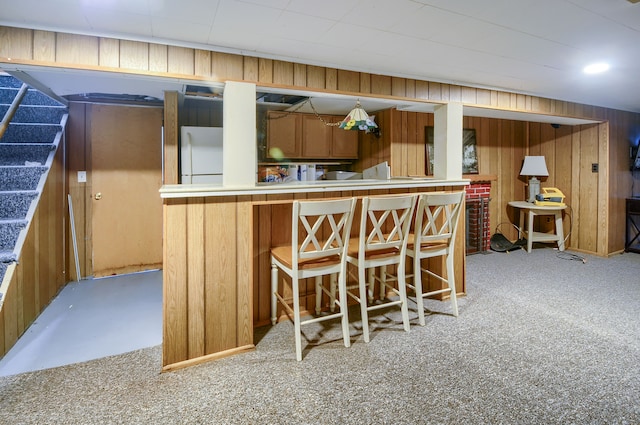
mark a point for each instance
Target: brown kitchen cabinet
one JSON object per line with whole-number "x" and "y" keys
{"x": 284, "y": 132}
{"x": 344, "y": 144}
{"x": 316, "y": 137}
{"x": 305, "y": 136}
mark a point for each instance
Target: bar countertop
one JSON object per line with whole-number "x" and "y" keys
{"x": 205, "y": 190}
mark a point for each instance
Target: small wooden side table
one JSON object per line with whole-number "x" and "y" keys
{"x": 534, "y": 210}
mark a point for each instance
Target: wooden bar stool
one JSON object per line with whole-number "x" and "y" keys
{"x": 384, "y": 227}
{"x": 320, "y": 233}
{"x": 434, "y": 235}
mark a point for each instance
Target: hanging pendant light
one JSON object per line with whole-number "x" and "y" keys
{"x": 358, "y": 119}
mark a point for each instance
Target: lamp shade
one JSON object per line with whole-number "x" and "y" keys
{"x": 358, "y": 119}
{"x": 534, "y": 166}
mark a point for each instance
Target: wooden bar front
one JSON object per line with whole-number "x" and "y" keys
{"x": 216, "y": 268}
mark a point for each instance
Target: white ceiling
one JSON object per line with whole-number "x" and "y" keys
{"x": 536, "y": 47}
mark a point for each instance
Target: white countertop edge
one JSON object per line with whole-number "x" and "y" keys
{"x": 206, "y": 190}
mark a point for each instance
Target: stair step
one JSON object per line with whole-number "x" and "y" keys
{"x": 15, "y": 205}
{"x": 9, "y": 232}
{"x": 36, "y": 114}
{"x": 9, "y": 81}
{"x": 20, "y": 177}
{"x": 32, "y": 97}
{"x": 30, "y": 133}
{"x": 20, "y": 154}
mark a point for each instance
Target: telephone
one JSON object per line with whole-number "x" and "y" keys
{"x": 550, "y": 197}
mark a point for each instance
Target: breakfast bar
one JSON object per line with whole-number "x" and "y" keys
{"x": 217, "y": 236}
{"x": 216, "y": 270}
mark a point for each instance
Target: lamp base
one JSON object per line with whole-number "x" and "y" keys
{"x": 534, "y": 189}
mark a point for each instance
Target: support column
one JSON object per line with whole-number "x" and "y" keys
{"x": 239, "y": 135}
{"x": 447, "y": 135}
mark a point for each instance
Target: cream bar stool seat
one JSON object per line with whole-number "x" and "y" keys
{"x": 320, "y": 233}
{"x": 436, "y": 222}
{"x": 384, "y": 226}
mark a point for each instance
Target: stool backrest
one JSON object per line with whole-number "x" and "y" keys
{"x": 321, "y": 227}
{"x": 385, "y": 222}
{"x": 437, "y": 217}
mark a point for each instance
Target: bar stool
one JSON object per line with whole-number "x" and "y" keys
{"x": 323, "y": 227}
{"x": 384, "y": 227}
{"x": 434, "y": 235}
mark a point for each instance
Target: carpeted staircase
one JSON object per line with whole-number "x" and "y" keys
{"x": 26, "y": 153}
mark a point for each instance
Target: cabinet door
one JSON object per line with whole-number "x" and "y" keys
{"x": 316, "y": 138}
{"x": 345, "y": 143}
{"x": 283, "y": 135}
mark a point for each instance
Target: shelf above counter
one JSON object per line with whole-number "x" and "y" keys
{"x": 211, "y": 190}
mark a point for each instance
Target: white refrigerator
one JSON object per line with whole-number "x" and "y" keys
{"x": 201, "y": 155}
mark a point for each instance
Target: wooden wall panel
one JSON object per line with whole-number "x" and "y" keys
{"x": 251, "y": 69}
{"x": 282, "y": 73}
{"x": 180, "y": 60}
{"x": 196, "y": 279}
{"x": 171, "y": 131}
{"x": 265, "y": 70}
{"x": 245, "y": 242}
{"x": 77, "y": 49}
{"x": 221, "y": 283}
{"x": 348, "y": 81}
{"x": 331, "y": 79}
{"x": 134, "y": 55}
{"x": 44, "y": 46}
{"x": 16, "y": 43}
{"x": 77, "y": 161}
{"x": 109, "y": 54}
{"x": 175, "y": 271}
{"x": 225, "y": 66}
{"x": 158, "y": 58}
{"x": 315, "y": 77}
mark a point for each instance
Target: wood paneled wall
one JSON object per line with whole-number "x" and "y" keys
{"x": 41, "y": 268}
{"x": 569, "y": 151}
{"x": 34, "y": 47}
{"x": 26, "y": 46}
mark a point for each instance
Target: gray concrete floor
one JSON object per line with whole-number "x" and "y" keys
{"x": 91, "y": 319}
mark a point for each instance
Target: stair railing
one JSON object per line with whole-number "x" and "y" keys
{"x": 12, "y": 109}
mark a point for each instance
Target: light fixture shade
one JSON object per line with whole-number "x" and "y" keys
{"x": 358, "y": 119}
{"x": 534, "y": 166}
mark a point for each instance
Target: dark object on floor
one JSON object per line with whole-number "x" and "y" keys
{"x": 500, "y": 243}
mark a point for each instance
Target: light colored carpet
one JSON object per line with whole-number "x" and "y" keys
{"x": 539, "y": 340}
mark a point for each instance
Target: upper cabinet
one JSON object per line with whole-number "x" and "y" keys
{"x": 283, "y": 135}
{"x": 305, "y": 136}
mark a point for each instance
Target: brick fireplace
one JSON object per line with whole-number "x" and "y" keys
{"x": 477, "y": 216}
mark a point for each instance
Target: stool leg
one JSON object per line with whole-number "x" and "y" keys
{"x": 296, "y": 317}
{"x": 332, "y": 289}
{"x": 371, "y": 283}
{"x": 417, "y": 283}
{"x": 452, "y": 283}
{"x": 274, "y": 289}
{"x": 318, "y": 294}
{"x": 402, "y": 288}
{"x": 362, "y": 284}
{"x": 383, "y": 282}
{"x": 342, "y": 293}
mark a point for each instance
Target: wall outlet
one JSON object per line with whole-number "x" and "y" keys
{"x": 594, "y": 167}
{"x": 82, "y": 176}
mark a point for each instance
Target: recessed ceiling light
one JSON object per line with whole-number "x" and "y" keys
{"x": 596, "y": 68}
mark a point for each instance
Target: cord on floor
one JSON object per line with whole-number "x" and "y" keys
{"x": 569, "y": 256}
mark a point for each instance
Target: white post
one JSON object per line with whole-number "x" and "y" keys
{"x": 447, "y": 141}
{"x": 239, "y": 154}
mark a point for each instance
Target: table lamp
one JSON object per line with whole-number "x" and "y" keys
{"x": 534, "y": 166}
